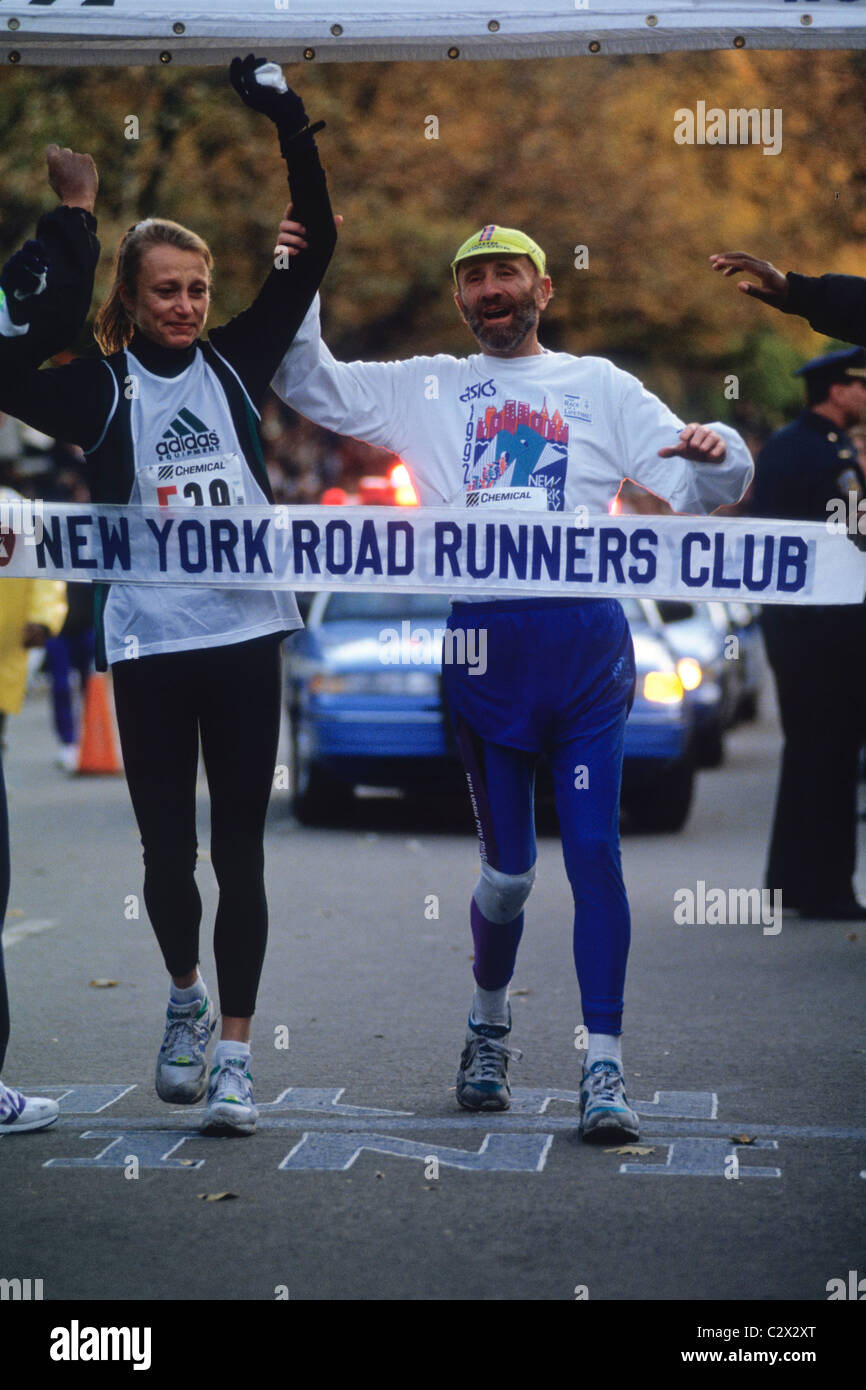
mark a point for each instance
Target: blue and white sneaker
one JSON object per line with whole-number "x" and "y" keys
{"x": 605, "y": 1114}
{"x": 181, "y": 1067}
{"x": 230, "y": 1105}
{"x": 19, "y": 1112}
{"x": 482, "y": 1081}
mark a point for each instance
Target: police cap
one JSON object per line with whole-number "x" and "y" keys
{"x": 835, "y": 366}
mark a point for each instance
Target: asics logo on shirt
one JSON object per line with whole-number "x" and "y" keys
{"x": 479, "y": 388}
{"x": 187, "y": 436}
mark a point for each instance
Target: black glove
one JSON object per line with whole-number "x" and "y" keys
{"x": 284, "y": 108}
{"x": 24, "y": 276}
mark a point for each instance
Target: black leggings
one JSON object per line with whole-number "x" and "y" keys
{"x": 230, "y": 697}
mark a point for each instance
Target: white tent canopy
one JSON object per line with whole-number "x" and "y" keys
{"x": 66, "y": 32}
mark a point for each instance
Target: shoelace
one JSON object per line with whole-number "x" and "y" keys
{"x": 178, "y": 1031}
{"x": 11, "y": 1102}
{"x": 488, "y": 1058}
{"x": 231, "y": 1078}
{"x": 606, "y": 1084}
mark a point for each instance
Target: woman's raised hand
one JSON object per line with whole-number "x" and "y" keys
{"x": 73, "y": 177}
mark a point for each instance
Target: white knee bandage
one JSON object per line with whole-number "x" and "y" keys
{"x": 500, "y": 897}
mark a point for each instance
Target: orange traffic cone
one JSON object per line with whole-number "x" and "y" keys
{"x": 98, "y": 749}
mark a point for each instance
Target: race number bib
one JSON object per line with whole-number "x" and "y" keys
{"x": 208, "y": 482}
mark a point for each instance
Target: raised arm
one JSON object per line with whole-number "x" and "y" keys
{"x": 256, "y": 340}
{"x": 47, "y": 286}
{"x": 368, "y": 400}
{"x": 833, "y": 304}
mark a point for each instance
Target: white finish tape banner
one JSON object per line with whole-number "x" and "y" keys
{"x": 434, "y": 550}
{"x": 67, "y": 32}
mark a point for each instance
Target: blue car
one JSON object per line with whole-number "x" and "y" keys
{"x": 365, "y": 706}
{"x": 365, "y": 700}
{"x": 659, "y": 754}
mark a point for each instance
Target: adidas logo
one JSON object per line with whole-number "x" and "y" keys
{"x": 187, "y": 435}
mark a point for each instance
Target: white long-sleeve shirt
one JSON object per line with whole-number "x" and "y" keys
{"x": 551, "y": 431}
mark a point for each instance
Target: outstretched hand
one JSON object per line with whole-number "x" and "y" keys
{"x": 698, "y": 444}
{"x": 773, "y": 286}
{"x": 72, "y": 176}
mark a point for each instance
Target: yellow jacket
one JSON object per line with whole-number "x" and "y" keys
{"x": 24, "y": 601}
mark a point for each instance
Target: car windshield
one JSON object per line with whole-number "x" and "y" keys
{"x": 346, "y": 607}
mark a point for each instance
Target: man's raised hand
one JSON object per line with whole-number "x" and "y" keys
{"x": 291, "y": 234}
{"x": 698, "y": 444}
{"x": 773, "y": 286}
{"x": 73, "y": 177}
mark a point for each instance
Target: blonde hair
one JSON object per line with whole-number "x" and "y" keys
{"x": 113, "y": 327}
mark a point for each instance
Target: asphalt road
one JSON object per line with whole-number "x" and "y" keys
{"x": 744, "y": 1052}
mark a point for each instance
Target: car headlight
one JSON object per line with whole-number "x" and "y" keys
{"x": 375, "y": 683}
{"x": 663, "y": 687}
{"x": 689, "y": 672}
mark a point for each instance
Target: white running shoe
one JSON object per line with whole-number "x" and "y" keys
{"x": 67, "y": 757}
{"x": 230, "y": 1105}
{"x": 605, "y": 1114}
{"x": 181, "y": 1067}
{"x": 19, "y": 1112}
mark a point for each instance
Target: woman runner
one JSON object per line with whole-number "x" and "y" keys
{"x": 193, "y": 663}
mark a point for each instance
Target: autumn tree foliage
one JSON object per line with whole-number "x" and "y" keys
{"x": 578, "y": 151}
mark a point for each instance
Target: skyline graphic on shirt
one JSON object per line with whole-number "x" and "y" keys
{"x": 518, "y": 446}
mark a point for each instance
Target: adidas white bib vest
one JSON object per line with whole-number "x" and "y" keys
{"x": 187, "y": 453}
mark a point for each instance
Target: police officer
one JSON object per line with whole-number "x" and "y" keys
{"x": 818, "y": 653}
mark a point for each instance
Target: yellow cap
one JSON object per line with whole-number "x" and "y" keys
{"x": 500, "y": 241}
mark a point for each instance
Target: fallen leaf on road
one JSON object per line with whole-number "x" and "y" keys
{"x": 852, "y": 936}
{"x": 512, "y": 992}
{"x": 187, "y": 1162}
{"x": 631, "y": 1149}
{"x": 742, "y": 1138}
{"x": 15, "y": 912}
{"x": 103, "y": 984}
{"x": 216, "y": 1196}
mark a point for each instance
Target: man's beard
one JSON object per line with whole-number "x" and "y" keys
{"x": 498, "y": 338}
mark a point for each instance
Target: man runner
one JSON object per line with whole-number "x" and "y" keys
{"x": 548, "y": 431}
